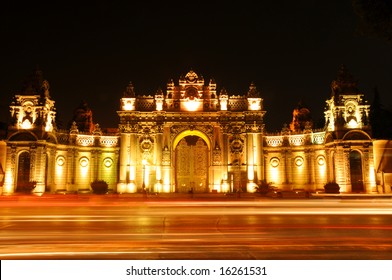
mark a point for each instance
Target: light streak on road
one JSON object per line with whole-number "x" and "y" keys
{"x": 262, "y": 229}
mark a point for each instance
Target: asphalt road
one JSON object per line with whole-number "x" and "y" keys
{"x": 97, "y": 228}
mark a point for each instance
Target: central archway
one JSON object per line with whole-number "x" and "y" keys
{"x": 356, "y": 172}
{"x": 23, "y": 176}
{"x": 191, "y": 159}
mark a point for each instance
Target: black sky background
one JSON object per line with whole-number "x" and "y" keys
{"x": 90, "y": 51}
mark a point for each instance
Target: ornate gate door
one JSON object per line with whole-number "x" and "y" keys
{"x": 356, "y": 172}
{"x": 23, "y": 176}
{"x": 191, "y": 165}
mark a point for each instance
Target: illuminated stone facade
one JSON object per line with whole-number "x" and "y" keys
{"x": 191, "y": 137}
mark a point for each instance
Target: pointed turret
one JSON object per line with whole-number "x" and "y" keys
{"x": 346, "y": 109}
{"x": 344, "y": 83}
{"x": 83, "y": 117}
{"x": 32, "y": 107}
{"x": 255, "y": 102}
{"x": 129, "y": 91}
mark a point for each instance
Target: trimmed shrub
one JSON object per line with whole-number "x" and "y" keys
{"x": 99, "y": 187}
{"x": 332, "y": 187}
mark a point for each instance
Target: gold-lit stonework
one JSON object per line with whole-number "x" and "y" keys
{"x": 192, "y": 137}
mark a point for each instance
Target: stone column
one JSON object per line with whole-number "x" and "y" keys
{"x": 127, "y": 163}
{"x": 9, "y": 186}
{"x": 158, "y": 161}
{"x": 99, "y": 164}
{"x": 132, "y": 162}
{"x": 259, "y": 157}
{"x": 250, "y": 159}
{"x": 38, "y": 160}
{"x": 51, "y": 179}
{"x": 310, "y": 163}
{"x": 70, "y": 170}
{"x": 289, "y": 167}
{"x": 124, "y": 161}
{"x": 225, "y": 160}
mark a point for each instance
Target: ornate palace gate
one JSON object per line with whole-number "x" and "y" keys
{"x": 191, "y": 165}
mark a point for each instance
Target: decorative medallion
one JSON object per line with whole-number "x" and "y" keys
{"x": 274, "y": 162}
{"x": 107, "y": 162}
{"x": 60, "y": 160}
{"x": 299, "y": 161}
{"x": 236, "y": 145}
{"x": 146, "y": 144}
{"x": 320, "y": 160}
{"x": 83, "y": 162}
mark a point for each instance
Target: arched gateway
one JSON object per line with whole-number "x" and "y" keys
{"x": 189, "y": 138}
{"x": 192, "y": 162}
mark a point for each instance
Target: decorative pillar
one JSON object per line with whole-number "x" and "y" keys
{"x": 94, "y": 165}
{"x": 127, "y": 163}
{"x": 38, "y": 162}
{"x": 310, "y": 162}
{"x": 259, "y": 157}
{"x": 51, "y": 179}
{"x": 369, "y": 170}
{"x": 158, "y": 160}
{"x": 225, "y": 161}
{"x": 224, "y": 129}
{"x": 99, "y": 164}
{"x": 288, "y": 167}
{"x": 70, "y": 169}
{"x": 124, "y": 162}
{"x": 10, "y": 171}
{"x": 132, "y": 162}
{"x": 250, "y": 152}
{"x": 166, "y": 170}
{"x": 346, "y": 160}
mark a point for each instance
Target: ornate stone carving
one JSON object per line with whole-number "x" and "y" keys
{"x": 217, "y": 155}
{"x": 318, "y": 138}
{"x": 146, "y": 144}
{"x": 97, "y": 130}
{"x": 236, "y": 144}
{"x": 166, "y": 156}
{"x": 129, "y": 128}
{"x": 74, "y": 128}
{"x": 85, "y": 140}
{"x": 237, "y": 128}
{"x": 274, "y": 141}
{"x": 297, "y": 140}
{"x": 108, "y": 141}
{"x": 158, "y": 128}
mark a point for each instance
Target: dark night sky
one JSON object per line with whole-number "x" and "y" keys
{"x": 91, "y": 50}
